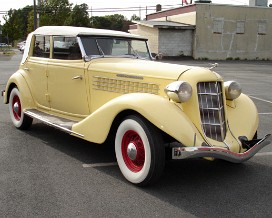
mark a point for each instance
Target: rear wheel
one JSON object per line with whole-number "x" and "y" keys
{"x": 18, "y": 118}
{"x": 139, "y": 151}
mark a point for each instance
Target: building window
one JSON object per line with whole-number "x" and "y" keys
{"x": 240, "y": 27}
{"x": 218, "y": 26}
{"x": 262, "y": 27}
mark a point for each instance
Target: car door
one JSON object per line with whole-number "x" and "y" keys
{"x": 66, "y": 78}
{"x": 36, "y": 70}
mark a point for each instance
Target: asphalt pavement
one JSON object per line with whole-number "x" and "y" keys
{"x": 47, "y": 173}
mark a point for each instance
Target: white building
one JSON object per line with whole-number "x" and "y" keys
{"x": 210, "y": 31}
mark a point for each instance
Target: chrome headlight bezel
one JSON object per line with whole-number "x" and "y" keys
{"x": 179, "y": 91}
{"x": 233, "y": 90}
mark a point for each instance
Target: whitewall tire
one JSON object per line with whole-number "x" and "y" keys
{"x": 18, "y": 118}
{"x": 139, "y": 151}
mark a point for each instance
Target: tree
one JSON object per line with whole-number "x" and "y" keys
{"x": 30, "y": 21}
{"x": 111, "y": 22}
{"x": 16, "y": 24}
{"x": 79, "y": 16}
{"x": 117, "y": 21}
{"x": 100, "y": 22}
{"x": 54, "y": 12}
{"x": 135, "y": 17}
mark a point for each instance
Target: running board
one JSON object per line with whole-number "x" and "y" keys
{"x": 62, "y": 124}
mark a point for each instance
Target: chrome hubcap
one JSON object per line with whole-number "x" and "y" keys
{"x": 16, "y": 107}
{"x": 131, "y": 151}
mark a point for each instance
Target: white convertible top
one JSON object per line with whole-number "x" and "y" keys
{"x": 75, "y": 31}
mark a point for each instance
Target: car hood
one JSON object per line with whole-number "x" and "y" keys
{"x": 138, "y": 68}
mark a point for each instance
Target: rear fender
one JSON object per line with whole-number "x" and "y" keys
{"x": 17, "y": 80}
{"x": 164, "y": 114}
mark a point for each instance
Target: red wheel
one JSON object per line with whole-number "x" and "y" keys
{"x": 17, "y": 116}
{"x": 133, "y": 151}
{"x": 16, "y": 107}
{"x": 139, "y": 151}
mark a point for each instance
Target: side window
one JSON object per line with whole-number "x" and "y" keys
{"x": 41, "y": 46}
{"x": 66, "y": 48}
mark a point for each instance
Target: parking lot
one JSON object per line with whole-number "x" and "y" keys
{"x": 47, "y": 173}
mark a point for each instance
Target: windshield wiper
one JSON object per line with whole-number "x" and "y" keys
{"x": 100, "y": 49}
{"x": 134, "y": 51}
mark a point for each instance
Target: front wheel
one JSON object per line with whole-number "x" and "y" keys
{"x": 139, "y": 151}
{"x": 18, "y": 118}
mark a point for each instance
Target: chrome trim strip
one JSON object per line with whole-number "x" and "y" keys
{"x": 208, "y": 93}
{"x": 130, "y": 76}
{"x": 38, "y": 117}
{"x": 179, "y": 153}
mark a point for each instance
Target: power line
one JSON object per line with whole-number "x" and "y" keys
{"x": 124, "y": 9}
{"x": 136, "y": 7}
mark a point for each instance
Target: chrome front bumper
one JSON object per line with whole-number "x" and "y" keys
{"x": 179, "y": 153}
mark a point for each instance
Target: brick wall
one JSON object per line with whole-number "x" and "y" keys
{"x": 175, "y": 42}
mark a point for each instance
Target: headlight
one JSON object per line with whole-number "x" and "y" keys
{"x": 232, "y": 89}
{"x": 179, "y": 91}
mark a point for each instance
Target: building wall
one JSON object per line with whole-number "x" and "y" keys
{"x": 175, "y": 42}
{"x": 187, "y": 18}
{"x": 152, "y": 34}
{"x": 171, "y": 12}
{"x": 233, "y": 32}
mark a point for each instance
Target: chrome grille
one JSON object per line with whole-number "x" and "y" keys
{"x": 211, "y": 106}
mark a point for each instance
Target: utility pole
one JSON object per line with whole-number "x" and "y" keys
{"x": 0, "y": 32}
{"x": 35, "y": 14}
{"x": 38, "y": 13}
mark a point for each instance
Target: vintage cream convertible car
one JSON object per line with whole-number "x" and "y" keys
{"x": 94, "y": 84}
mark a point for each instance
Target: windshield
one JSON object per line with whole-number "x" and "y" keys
{"x": 116, "y": 47}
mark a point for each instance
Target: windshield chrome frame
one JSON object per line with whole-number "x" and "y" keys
{"x": 89, "y": 58}
{"x": 81, "y": 47}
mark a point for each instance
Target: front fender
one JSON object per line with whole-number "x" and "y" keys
{"x": 243, "y": 117}
{"x": 18, "y": 80}
{"x": 164, "y": 114}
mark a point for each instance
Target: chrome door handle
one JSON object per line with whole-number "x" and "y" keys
{"x": 78, "y": 77}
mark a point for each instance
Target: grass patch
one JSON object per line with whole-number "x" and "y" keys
{"x": 7, "y": 53}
